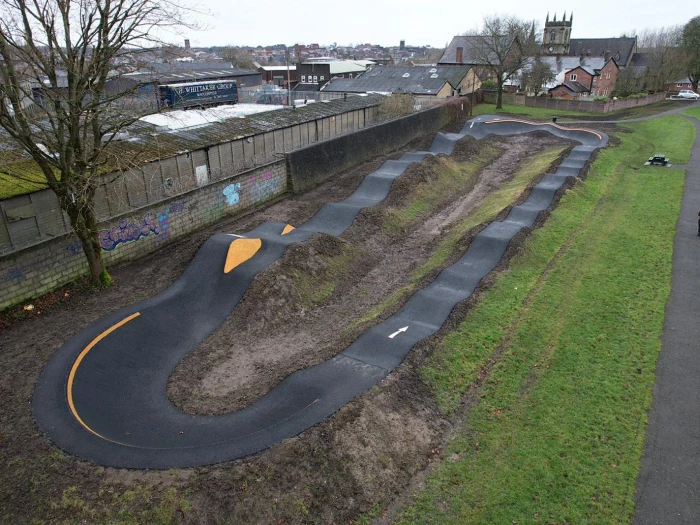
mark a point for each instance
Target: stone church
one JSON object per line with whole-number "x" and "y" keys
{"x": 586, "y": 66}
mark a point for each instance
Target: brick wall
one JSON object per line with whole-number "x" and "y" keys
{"x": 581, "y": 76}
{"x": 46, "y": 266}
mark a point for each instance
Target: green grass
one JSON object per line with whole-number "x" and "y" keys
{"x": 693, "y": 112}
{"x": 539, "y": 113}
{"x": 489, "y": 208}
{"x": 453, "y": 177}
{"x": 557, "y": 431}
{"x": 546, "y": 114}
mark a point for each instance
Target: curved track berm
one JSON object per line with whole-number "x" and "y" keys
{"x": 102, "y": 396}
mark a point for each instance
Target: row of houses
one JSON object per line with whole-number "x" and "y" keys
{"x": 581, "y": 67}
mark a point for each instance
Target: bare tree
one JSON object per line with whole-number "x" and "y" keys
{"x": 690, "y": 44}
{"x": 502, "y": 46}
{"x": 61, "y": 54}
{"x": 238, "y": 57}
{"x": 536, "y": 75}
{"x": 664, "y": 60}
{"x": 629, "y": 81}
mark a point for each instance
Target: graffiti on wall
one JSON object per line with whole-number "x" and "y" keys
{"x": 128, "y": 231}
{"x": 164, "y": 219}
{"x": 263, "y": 186}
{"x": 74, "y": 248}
{"x": 232, "y": 193}
{"x": 158, "y": 223}
{"x": 15, "y": 275}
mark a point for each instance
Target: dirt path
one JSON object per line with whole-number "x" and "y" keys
{"x": 362, "y": 456}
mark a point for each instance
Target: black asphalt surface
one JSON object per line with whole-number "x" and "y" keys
{"x": 119, "y": 383}
{"x": 668, "y": 487}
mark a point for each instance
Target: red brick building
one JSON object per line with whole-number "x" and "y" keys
{"x": 586, "y": 81}
{"x": 604, "y": 81}
{"x": 675, "y": 87}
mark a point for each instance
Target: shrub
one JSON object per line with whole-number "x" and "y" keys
{"x": 397, "y": 105}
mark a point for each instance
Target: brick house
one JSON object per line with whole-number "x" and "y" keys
{"x": 605, "y": 79}
{"x": 586, "y": 81}
{"x": 675, "y": 87}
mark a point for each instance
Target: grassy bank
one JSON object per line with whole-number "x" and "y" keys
{"x": 451, "y": 178}
{"x": 693, "y": 112}
{"x": 557, "y": 429}
{"x": 546, "y": 114}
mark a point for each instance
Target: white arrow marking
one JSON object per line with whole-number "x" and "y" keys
{"x": 398, "y": 332}
{"x": 234, "y": 235}
{"x": 470, "y": 127}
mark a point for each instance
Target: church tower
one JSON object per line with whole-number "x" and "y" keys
{"x": 557, "y": 35}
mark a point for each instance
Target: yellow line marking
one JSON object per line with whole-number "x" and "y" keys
{"x": 287, "y": 229}
{"x": 546, "y": 124}
{"x": 81, "y": 356}
{"x": 240, "y": 251}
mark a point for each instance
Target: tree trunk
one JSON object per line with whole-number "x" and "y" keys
{"x": 84, "y": 224}
{"x": 499, "y": 99}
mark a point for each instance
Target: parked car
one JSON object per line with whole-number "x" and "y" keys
{"x": 688, "y": 94}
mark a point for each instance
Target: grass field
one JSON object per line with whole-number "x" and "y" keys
{"x": 556, "y": 432}
{"x": 693, "y": 112}
{"x": 546, "y": 114}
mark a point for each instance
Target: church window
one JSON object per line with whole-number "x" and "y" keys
{"x": 573, "y": 77}
{"x": 552, "y": 36}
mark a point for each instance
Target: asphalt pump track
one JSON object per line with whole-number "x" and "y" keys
{"x": 103, "y": 394}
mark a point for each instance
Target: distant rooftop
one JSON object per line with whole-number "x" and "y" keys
{"x": 388, "y": 79}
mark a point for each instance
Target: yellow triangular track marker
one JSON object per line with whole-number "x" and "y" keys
{"x": 240, "y": 251}
{"x": 287, "y": 229}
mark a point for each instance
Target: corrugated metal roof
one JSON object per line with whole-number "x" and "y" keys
{"x": 145, "y": 144}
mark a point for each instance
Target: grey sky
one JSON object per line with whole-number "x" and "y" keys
{"x": 420, "y": 22}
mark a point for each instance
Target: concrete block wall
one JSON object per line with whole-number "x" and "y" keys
{"x": 308, "y": 167}
{"x": 44, "y": 267}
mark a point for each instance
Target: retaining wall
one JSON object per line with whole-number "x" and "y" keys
{"x": 308, "y": 167}
{"x": 562, "y": 104}
{"x": 46, "y": 266}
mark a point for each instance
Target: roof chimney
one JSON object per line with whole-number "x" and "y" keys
{"x": 460, "y": 53}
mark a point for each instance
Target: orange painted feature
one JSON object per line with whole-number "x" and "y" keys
{"x": 287, "y": 229}
{"x": 240, "y": 251}
{"x": 546, "y": 124}
{"x": 81, "y": 356}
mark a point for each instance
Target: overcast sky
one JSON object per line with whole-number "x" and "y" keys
{"x": 386, "y": 22}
